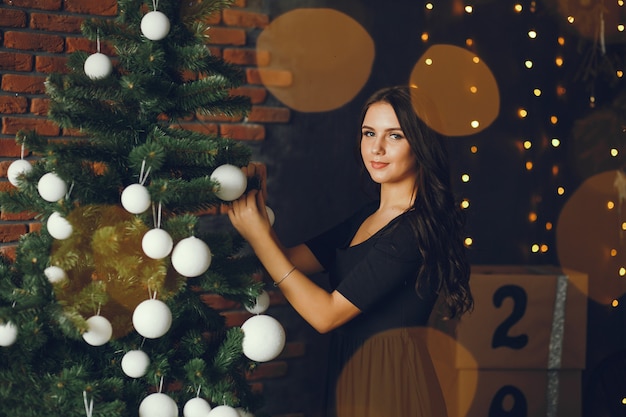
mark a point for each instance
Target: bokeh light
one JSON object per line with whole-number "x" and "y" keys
{"x": 315, "y": 60}
{"x": 105, "y": 250}
{"x": 454, "y": 91}
{"x": 588, "y": 231}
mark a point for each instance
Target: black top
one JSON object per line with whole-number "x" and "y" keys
{"x": 378, "y": 275}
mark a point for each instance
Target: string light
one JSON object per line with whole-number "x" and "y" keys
{"x": 535, "y": 143}
{"x": 539, "y": 248}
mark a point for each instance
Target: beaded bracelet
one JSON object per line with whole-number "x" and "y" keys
{"x": 277, "y": 283}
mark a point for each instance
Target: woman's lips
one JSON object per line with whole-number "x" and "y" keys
{"x": 378, "y": 165}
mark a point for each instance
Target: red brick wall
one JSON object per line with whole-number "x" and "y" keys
{"x": 37, "y": 35}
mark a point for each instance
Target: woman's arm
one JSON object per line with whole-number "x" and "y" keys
{"x": 302, "y": 258}
{"x": 321, "y": 309}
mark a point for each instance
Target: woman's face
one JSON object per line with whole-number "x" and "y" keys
{"x": 385, "y": 150}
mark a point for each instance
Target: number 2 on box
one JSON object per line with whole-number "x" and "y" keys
{"x": 501, "y": 337}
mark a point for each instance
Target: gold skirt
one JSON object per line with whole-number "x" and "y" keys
{"x": 390, "y": 375}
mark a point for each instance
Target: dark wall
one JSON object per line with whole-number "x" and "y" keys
{"x": 314, "y": 178}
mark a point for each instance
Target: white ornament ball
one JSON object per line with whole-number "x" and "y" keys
{"x": 223, "y": 411}
{"x": 157, "y": 243}
{"x": 98, "y": 66}
{"x": 270, "y": 215}
{"x": 261, "y": 305}
{"x": 191, "y": 257}
{"x": 58, "y": 226}
{"x": 135, "y": 363}
{"x": 8, "y": 334}
{"x": 136, "y": 198}
{"x": 51, "y": 187}
{"x": 232, "y": 182}
{"x": 55, "y": 274}
{"x": 264, "y": 338}
{"x": 17, "y": 168}
{"x": 152, "y": 318}
{"x": 244, "y": 413}
{"x": 99, "y": 331}
{"x": 155, "y": 26}
{"x": 196, "y": 407}
{"x": 158, "y": 405}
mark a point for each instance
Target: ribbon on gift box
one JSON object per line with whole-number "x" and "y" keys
{"x": 555, "y": 348}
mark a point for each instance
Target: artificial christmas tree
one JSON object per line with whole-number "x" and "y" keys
{"x": 100, "y": 313}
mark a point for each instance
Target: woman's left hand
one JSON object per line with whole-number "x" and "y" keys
{"x": 249, "y": 216}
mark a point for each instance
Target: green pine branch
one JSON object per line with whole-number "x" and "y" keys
{"x": 122, "y": 126}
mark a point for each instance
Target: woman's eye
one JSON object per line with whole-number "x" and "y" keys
{"x": 396, "y": 136}
{"x": 368, "y": 133}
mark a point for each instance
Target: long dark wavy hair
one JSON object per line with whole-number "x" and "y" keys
{"x": 436, "y": 219}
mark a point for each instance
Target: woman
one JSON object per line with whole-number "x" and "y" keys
{"x": 387, "y": 264}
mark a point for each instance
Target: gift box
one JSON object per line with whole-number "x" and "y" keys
{"x": 522, "y": 348}
{"x": 525, "y": 317}
{"x": 516, "y": 393}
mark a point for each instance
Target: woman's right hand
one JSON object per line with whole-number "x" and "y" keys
{"x": 248, "y": 214}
